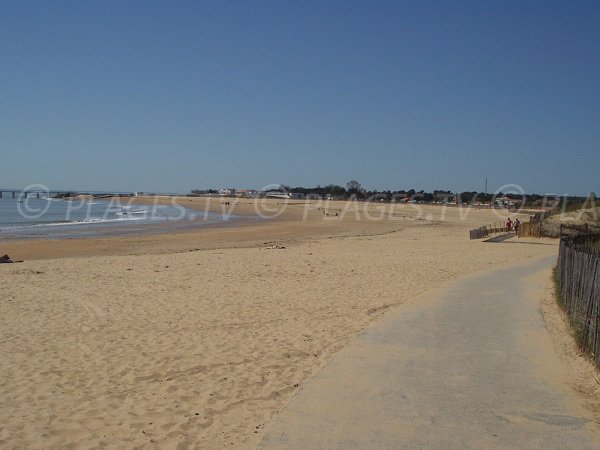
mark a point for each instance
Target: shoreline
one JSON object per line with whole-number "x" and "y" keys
{"x": 295, "y": 221}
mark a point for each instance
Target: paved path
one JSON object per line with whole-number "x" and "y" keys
{"x": 469, "y": 367}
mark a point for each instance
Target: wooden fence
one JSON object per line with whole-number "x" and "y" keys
{"x": 578, "y": 274}
{"x": 531, "y": 229}
{"x": 539, "y": 217}
{"x": 537, "y": 228}
{"x": 479, "y": 233}
{"x": 525, "y": 230}
{"x": 486, "y": 231}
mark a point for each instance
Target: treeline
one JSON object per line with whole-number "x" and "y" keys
{"x": 354, "y": 189}
{"x": 342, "y": 193}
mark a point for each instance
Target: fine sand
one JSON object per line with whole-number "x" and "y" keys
{"x": 198, "y": 339}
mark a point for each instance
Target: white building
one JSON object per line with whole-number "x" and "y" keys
{"x": 226, "y": 191}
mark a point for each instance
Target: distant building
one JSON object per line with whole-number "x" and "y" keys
{"x": 277, "y": 194}
{"x": 505, "y": 202}
{"x": 246, "y": 193}
{"x": 226, "y": 192}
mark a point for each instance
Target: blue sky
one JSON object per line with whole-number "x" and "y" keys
{"x": 172, "y": 96}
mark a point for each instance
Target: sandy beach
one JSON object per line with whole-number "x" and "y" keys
{"x": 197, "y": 339}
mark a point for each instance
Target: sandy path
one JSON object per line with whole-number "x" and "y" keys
{"x": 472, "y": 366}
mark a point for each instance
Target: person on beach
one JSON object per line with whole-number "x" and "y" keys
{"x": 516, "y": 225}
{"x": 509, "y": 225}
{"x": 5, "y": 259}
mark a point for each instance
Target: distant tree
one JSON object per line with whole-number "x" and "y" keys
{"x": 353, "y": 187}
{"x": 485, "y": 198}
{"x": 466, "y": 197}
{"x": 427, "y": 197}
{"x": 335, "y": 191}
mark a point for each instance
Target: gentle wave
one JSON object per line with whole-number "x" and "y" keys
{"x": 82, "y": 222}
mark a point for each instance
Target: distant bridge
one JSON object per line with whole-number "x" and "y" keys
{"x": 43, "y": 193}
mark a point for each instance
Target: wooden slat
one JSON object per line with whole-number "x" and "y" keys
{"x": 579, "y": 284}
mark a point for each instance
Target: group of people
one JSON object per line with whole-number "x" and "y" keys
{"x": 513, "y": 226}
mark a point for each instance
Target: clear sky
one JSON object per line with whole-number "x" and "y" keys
{"x": 171, "y": 96}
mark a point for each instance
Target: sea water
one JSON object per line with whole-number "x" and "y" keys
{"x": 27, "y": 217}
